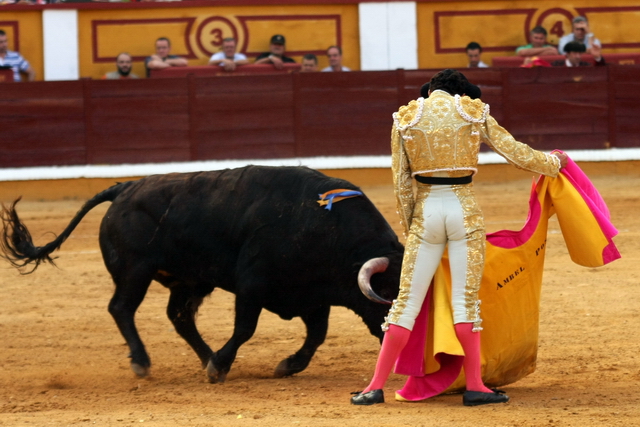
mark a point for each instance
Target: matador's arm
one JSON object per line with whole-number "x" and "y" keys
{"x": 402, "y": 182}
{"x": 518, "y": 153}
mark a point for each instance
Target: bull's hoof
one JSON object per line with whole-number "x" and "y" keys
{"x": 139, "y": 370}
{"x": 291, "y": 366}
{"x": 283, "y": 370}
{"x": 215, "y": 376}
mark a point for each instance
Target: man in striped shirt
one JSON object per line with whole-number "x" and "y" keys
{"x": 13, "y": 59}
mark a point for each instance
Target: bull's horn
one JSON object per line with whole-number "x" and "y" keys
{"x": 368, "y": 269}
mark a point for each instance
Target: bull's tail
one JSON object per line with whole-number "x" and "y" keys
{"x": 17, "y": 245}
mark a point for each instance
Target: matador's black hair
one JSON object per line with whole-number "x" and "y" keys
{"x": 469, "y": 89}
{"x": 450, "y": 81}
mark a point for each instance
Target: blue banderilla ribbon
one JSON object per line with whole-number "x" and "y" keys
{"x": 329, "y": 197}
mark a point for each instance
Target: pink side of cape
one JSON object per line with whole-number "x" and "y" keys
{"x": 511, "y": 239}
{"x": 411, "y": 362}
{"x": 596, "y": 205}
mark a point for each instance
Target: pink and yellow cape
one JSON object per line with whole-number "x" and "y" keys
{"x": 510, "y": 291}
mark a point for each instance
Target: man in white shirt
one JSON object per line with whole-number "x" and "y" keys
{"x": 228, "y": 58}
{"x": 9, "y": 58}
{"x": 334, "y": 53}
{"x": 580, "y": 33}
{"x": 474, "y": 50}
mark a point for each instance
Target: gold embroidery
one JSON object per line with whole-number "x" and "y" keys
{"x": 472, "y": 110}
{"x": 474, "y": 226}
{"x": 443, "y": 140}
{"x": 403, "y": 185}
{"x": 406, "y": 114}
{"x": 409, "y": 261}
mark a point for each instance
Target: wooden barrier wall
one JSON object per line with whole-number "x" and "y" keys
{"x": 610, "y": 59}
{"x": 6, "y": 75}
{"x": 296, "y": 115}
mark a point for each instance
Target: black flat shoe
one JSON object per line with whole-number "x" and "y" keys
{"x": 475, "y": 398}
{"x": 369, "y": 398}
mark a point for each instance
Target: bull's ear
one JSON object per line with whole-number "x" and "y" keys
{"x": 368, "y": 269}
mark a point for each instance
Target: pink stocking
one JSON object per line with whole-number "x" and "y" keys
{"x": 470, "y": 342}
{"x": 394, "y": 341}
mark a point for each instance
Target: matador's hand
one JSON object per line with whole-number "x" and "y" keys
{"x": 563, "y": 159}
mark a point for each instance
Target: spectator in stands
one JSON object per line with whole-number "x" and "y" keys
{"x": 309, "y": 63}
{"x": 537, "y": 44}
{"x": 275, "y": 55}
{"x": 573, "y": 56}
{"x": 474, "y": 51}
{"x": 162, "y": 58}
{"x": 580, "y": 33}
{"x": 334, "y": 53}
{"x": 228, "y": 58}
{"x": 14, "y": 60}
{"x": 123, "y": 64}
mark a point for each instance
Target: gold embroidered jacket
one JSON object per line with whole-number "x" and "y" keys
{"x": 441, "y": 136}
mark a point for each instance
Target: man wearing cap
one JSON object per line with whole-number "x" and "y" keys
{"x": 580, "y": 33}
{"x": 573, "y": 56}
{"x": 275, "y": 55}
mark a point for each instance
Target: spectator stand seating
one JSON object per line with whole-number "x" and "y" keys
{"x": 610, "y": 58}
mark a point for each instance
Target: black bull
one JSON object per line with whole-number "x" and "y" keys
{"x": 257, "y": 232}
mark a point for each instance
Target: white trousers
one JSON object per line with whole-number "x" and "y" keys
{"x": 444, "y": 215}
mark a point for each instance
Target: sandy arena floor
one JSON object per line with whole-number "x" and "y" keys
{"x": 63, "y": 361}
